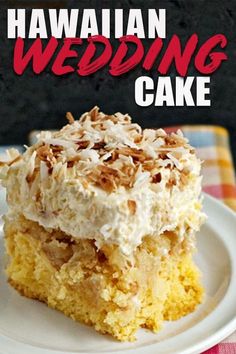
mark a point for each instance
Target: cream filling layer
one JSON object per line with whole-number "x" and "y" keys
{"x": 93, "y": 213}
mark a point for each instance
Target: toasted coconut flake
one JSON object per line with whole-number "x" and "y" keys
{"x": 172, "y": 182}
{"x": 84, "y": 184}
{"x": 114, "y": 156}
{"x": 56, "y": 150}
{"x": 132, "y": 206}
{"x": 138, "y": 139}
{"x": 83, "y": 144}
{"x": 99, "y": 145}
{"x": 108, "y": 170}
{"x": 149, "y": 165}
{"x": 94, "y": 113}
{"x": 157, "y": 178}
{"x": 16, "y": 159}
{"x": 105, "y": 177}
{"x": 70, "y": 117}
{"x": 106, "y": 157}
{"x": 107, "y": 183}
{"x": 12, "y": 156}
{"x": 70, "y": 164}
{"x": 184, "y": 178}
{"x": 31, "y": 177}
{"x": 74, "y": 159}
{"x": 137, "y": 155}
{"x": 44, "y": 153}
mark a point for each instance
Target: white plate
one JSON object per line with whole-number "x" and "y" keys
{"x": 30, "y": 327}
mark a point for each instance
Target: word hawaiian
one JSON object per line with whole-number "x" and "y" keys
{"x": 162, "y": 93}
{"x": 61, "y": 23}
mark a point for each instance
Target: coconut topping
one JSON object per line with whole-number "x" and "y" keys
{"x": 109, "y": 151}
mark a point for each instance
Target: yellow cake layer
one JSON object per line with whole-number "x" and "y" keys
{"x": 102, "y": 288}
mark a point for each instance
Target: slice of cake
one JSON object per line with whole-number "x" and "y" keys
{"x": 102, "y": 222}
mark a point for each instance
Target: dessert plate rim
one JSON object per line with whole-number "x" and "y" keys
{"x": 219, "y": 324}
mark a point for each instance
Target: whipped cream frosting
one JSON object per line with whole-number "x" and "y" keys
{"x": 104, "y": 178}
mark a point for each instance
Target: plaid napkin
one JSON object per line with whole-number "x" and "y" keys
{"x": 212, "y": 146}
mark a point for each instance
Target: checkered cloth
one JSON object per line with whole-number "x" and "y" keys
{"x": 212, "y": 146}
